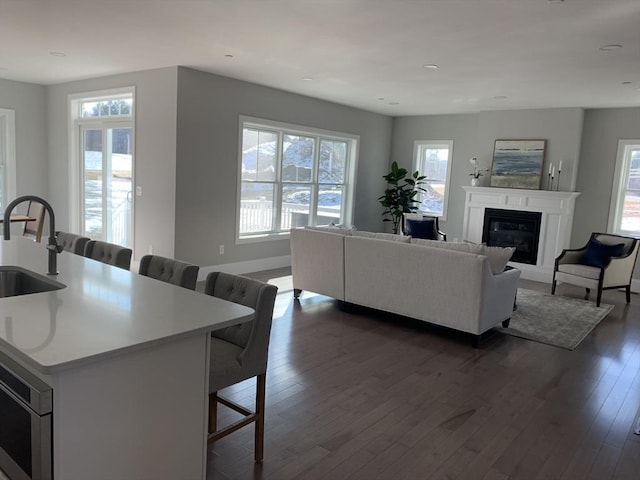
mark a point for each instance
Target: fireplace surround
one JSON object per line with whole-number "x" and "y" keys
{"x": 513, "y": 228}
{"x": 556, "y": 219}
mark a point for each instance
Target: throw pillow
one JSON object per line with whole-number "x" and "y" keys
{"x": 382, "y": 236}
{"x": 498, "y": 257}
{"x": 421, "y": 229}
{"x": 598, "y": 254}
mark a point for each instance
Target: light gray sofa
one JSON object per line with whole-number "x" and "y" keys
{"x": 455, "y": 289}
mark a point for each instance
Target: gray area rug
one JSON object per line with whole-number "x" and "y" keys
{"x": 554, "y": 319}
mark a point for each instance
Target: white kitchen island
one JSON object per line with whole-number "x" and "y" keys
{"x": 127, "y": 358}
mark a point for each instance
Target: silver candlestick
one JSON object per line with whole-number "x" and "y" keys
{"x": 558, "y": 184}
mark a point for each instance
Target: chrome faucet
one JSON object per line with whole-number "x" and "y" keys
{"x": 52, "y": 244}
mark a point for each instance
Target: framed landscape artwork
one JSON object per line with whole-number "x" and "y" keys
{"x": 518, "y": 163}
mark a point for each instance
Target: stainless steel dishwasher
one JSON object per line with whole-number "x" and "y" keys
{"x": 25, "y": 423}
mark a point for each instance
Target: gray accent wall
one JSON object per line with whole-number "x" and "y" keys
{"x": 602, "y": 130}
{"x": 30, "y": 106}
{"x": 474, "y": 135}
{"x": 463, "y": 130}
{"x": 585, "y": 140}
{"x": 209, "y": 107}
{"x": 187, "y": 152}
{"x": 155, "y": 152}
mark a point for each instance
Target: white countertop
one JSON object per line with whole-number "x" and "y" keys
{"x": 103, "y": 311}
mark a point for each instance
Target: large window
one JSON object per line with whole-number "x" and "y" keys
{"x": 102, "y": 125}
{"x": 291, "y": 176}
{"x": 432, "y": 158}
{"x": 624, "y": 216}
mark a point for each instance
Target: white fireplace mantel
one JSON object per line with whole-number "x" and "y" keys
{"x": 555, "y": 226}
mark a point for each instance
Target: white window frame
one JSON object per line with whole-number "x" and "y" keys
{"x": 349, "y": 185}
{"x": 76, "y": 122}
{"x": 619, "y": 189}
{"x": 8, "y": 155}
{"x": 418, "y": 147}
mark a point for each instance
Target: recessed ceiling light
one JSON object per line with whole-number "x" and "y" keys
{"x": 307, "y": 79}
{"x": 430, "y": 66}
{"x": 552, "y": 2}
{"x": 380, "y": 98}
{"x": 626, "y": 83}
{"x": 499, "y": 97}
{"x": 393, "y": 103}
{"x": 228, "y": 55}
{"x": 607, "y": 48}
{"x": 57, "y": 54}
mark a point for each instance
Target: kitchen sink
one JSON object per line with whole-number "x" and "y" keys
{"x": 19, "y": 281}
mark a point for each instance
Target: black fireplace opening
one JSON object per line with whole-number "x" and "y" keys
{"x": 513, "y": 228}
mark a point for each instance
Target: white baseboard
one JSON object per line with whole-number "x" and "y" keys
{"x": 249, "y": 266}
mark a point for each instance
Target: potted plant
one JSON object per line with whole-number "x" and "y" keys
{"x": 477, "y": 172}
{"x": 399, "y": 197}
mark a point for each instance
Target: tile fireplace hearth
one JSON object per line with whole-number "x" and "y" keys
{"x": 555, "y": 210}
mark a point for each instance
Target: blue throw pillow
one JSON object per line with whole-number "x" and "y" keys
{"x": 598, "y": 253}
{"x": 422, "y": 229}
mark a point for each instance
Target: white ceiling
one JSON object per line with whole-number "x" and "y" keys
{"x": 363, "y": 53}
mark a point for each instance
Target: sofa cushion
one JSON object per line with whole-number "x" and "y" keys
{"x": 456, "y": 246}
{"x": 382, "y": 236}
{"x": 331, "y": 229}
{"x": 598, "y": 254}
{"x": 498, "y": 256}
{"x": 580, "y": 270}
{"x": 421, "y": 229}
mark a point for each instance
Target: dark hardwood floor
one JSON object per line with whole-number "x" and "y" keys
{"x": 366, "y": 395}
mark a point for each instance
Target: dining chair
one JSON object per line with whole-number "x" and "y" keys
{"x": 71, "y": 242}
{"x": 168, "y": 270}
{"x": 240, "y": 352}
{"x": 34, "y": 228}
{"x": 108, "y": 253}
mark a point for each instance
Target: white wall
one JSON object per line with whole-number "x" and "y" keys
{"x": 155, "y": 152}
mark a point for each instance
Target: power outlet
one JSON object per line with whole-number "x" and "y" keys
{"x": 221, "y": 249}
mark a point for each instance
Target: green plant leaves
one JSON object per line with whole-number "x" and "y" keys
{"x": 399, "y": 197}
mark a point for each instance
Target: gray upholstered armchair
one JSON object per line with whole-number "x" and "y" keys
{"x": 240, "y": 352}
{"x": 606, "y": 261}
